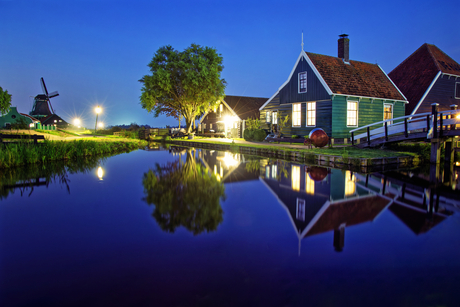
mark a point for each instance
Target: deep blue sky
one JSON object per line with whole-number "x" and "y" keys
{"x": 96, "y": 51}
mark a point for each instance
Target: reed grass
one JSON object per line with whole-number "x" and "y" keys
{"x": 24, "y": 153}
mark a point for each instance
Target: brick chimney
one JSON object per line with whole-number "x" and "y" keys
{"x": 344, "y": 47}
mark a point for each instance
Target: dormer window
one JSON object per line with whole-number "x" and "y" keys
{"x": 303, "y": 82}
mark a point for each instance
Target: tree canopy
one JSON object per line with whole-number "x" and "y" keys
{"x": 184, "y": 194}
{"x": 5, "y": 101}
{"x": 183, "y": 83}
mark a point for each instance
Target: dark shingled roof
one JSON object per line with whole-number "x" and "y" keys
{"x": 245, "y": 107}
{"x": 415, "y": 74}
{"x": 356, "y": 78}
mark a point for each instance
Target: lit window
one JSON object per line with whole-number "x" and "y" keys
{"x": 267, "y": 117}
{"x": 295, "y": 177}
{"x": 350, "y": 186}
{"x": 309, "y": 185}
{"x": 210, "y": 126}
{"x": 296, "y": 114}
{"x": 275, "y": 117}
{"x": 457, "y": 90}
{"x": 311, "y": 114}
{"x": 267, "y": 171}
{"x": 352, "y": 113}
{"x": 204, "y": 126}
{"x": 387, "y": 111}
{"x": 274, "y": 171}
{"x": 303, "y": 82}
{"x": 300, "y": 210}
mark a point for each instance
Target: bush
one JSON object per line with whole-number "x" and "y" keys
{"x": 259, "y": 135}
{"x": 248, "y": 134}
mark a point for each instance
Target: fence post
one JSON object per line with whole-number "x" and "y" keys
{"x": 386, "y": 132}
{"x": 352, "y": 139}
{"x": 453, "y": 107}
{"x": 368, "y": 137}
{"x": 406, "y": 134}
{"x": 434, "y": 112}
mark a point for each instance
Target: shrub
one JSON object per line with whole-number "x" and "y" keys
{"x": 248, "y": 134}
{"x": 294, "y": 136}
{"x": 259, "y": 135}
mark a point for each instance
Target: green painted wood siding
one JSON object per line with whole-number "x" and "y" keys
{"x": 369, "y": 112}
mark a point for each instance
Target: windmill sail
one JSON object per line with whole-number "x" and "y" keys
{"x": 42, "y": 103}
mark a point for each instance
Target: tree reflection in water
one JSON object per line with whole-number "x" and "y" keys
{"x": 184, "y": 194}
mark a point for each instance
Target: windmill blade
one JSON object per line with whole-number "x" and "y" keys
{"x": 53, "y": 94}
{"x": 45, "y": 91}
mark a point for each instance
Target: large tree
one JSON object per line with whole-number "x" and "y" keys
{"x": 183, "y": 83}
{"x": 5, "y": 101}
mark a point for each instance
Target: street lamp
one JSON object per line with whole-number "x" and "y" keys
{"x": 98, "y": 110}
{"x": 77, "y": 122}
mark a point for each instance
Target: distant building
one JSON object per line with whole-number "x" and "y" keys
{"x": 14, "y": 117}
{"x": 428, "y": 76}
{"x": 230, "y": 115}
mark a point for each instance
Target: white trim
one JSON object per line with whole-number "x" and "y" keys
{"x": 292, "y": 114}
{"x": 357, "y": 114}
{"x": 426, "y": 93}
{"x": 299, "y": 82}
{"x": 392, "y": 111}
{"x": 451, "y": 75}
{"x": 306, "y": 114}
{"x": 315, "y": 71}
{"x": 352, "y": 97}
{"x": 392, "y": 83}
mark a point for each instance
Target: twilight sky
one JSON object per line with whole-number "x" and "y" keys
{"x": 94, "y": 52}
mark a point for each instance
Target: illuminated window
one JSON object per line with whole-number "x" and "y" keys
{"x": 311, "y": 114}
{"x": 204, "y": 126}
{"x": 267, "y": 171}
{"x": 210, "y": 126}
{"x": 387, "y": 111}
{"x": 309, "y": 185}
{"x": 300, "y": 209}
{"x": 268, "y": 117}
{"x": 295, "y": 177}
{"x": 352, "y": 114}
{"x": 296, "y": 107}
{"x": 274, "y": 171}
{"x": 275, "y": 117}
{"x": 350, "y": 185}
{"x": 303, "y": 82}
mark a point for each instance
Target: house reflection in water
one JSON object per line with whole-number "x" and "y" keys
{"x": 320, "y": 200}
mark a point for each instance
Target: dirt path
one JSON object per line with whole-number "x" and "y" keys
{"x": 46, "y": 135}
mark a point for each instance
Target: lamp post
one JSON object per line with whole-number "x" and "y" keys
{"x": 97, "y": 110}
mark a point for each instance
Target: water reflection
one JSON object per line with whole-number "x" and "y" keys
{"x": 184, "y": 193}
{"x": 320, "y": 200}
{"x": 26, "y": 179}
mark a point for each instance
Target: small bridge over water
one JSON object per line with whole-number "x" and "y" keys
{"x": 436, "y": 127}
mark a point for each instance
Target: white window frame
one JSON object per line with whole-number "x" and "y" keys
{"x": 302, "y": 82}
{"x": 354, "y": 111}
{"x": 268, "y": 117}
{"x": 392, "y": 110}
{"x": 457, "y": 89}
{"x": 311, "y": 114}
{"x": 300, "y": 209}
{"x": 299, "y": 112}
{"x": 275, "y": 117}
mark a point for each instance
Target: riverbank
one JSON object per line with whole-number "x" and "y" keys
{"x": 25, "y": 153}
{"x": 339, "y": 157}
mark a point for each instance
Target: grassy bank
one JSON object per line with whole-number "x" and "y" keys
{"x": 25, "y": 153}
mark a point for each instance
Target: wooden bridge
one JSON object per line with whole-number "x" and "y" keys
{"x": 435, "y": 127}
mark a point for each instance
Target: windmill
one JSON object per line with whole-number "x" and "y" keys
{"x": 42, "y": 103}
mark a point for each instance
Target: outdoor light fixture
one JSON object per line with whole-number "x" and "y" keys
{"x": 77, "y": 122}
{"x": 98, "y": 110}
{"x": 100, "y": 125}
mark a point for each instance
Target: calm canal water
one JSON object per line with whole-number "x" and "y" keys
{"x": 155, "y": 228}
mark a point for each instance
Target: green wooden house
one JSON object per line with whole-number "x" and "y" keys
{"x": 332, "y": 93}
{"x": 13, "y": 117}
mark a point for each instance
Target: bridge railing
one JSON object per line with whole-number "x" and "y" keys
{"x": 445, "y": 120}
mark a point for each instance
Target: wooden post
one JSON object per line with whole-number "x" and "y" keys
{"x": 386, "y": 132}
{"x": 440, "y": 125}
{"x": 368, "y": 137}
{"x": 427, "y": 123}
{"x": 352, "y": 139}
{"x": 406, "y": 134}
{"x": 35, "y": 139}
{"x": 434, "y": 112}
{"x": 453, "y": 107}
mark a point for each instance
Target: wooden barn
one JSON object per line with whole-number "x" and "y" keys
{"x": 428, "y": 76}
{"x": 333, "y": 93}
{"x": 229, "y": 117}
